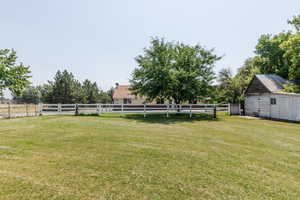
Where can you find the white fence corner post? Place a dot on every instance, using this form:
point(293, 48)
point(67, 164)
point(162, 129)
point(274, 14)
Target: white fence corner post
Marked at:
point(190, 111)
point(144, 110)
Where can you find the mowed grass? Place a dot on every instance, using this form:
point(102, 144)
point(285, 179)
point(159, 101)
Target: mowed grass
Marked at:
point(115, 157)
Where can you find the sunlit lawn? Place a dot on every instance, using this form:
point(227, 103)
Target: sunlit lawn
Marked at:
point(113, 157)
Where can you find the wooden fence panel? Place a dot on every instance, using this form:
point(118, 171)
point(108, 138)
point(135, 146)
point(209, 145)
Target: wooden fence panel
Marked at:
point(19, 110)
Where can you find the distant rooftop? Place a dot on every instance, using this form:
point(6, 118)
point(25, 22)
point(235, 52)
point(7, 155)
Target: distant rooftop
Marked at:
point(123, 92)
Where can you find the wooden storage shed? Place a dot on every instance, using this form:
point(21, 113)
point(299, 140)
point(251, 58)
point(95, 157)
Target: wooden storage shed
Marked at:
point(264, 98)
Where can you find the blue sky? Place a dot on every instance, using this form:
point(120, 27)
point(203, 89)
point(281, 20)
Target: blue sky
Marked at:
point(99, 40)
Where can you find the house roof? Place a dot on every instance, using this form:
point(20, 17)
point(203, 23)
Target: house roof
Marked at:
point(123, 92)
point(272, 82)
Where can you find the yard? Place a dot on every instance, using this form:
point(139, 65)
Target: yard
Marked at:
point(115, 157)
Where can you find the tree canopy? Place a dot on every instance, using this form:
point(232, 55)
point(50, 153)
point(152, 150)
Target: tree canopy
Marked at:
point(12, 75)
point(173, 71)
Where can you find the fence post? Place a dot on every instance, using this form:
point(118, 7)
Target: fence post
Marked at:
point(144, 110)
point(35, 109)
point(167, 110)
point(99, 108)
point(122, 108)
point(215, 112)
point(26, 107)
point(190, 111)
point(76, 109)
point(229, 109)
point(9, 111)
point(41, 106)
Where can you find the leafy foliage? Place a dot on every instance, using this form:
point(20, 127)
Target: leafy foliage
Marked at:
point(292, 88)
point(270, 56)
point(228, 89)
point(231, 89)
point(169, 71)
point(292, 54)
point(12, 75)
point(31, 95)
point(295, 22)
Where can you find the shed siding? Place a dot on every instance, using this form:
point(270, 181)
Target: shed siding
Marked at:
point(287, 107)
point(258, 105)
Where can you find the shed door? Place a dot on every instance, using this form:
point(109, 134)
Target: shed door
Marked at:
point(284, 112)
point(296, 108)
point(263, 106)
point(251, 105)
point(275, 112)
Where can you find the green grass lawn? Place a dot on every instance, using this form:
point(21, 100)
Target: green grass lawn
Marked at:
point(112, 157)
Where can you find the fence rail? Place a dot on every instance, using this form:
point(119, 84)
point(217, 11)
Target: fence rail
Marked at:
point(133, 108)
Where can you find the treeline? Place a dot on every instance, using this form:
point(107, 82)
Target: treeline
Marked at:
point(65, 89)
point(274, 54)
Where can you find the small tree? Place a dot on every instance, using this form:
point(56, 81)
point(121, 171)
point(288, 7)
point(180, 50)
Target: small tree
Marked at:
point(64, 89)
point(30, 94)
point(174, 72)
point(12, 75)
point(91, 92)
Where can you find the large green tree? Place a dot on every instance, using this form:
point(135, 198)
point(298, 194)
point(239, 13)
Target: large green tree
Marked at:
point(291, 49)
point(270, 56)
point(174, 72)
point(12, 75)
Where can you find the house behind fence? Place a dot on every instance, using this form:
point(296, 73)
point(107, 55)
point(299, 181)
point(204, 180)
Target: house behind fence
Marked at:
point(122, 95)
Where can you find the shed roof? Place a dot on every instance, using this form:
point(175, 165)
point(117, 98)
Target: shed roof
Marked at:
point(272, 82)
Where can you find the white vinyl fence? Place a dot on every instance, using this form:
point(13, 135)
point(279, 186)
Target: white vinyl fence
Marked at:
point(26, 110)
point(144, 109)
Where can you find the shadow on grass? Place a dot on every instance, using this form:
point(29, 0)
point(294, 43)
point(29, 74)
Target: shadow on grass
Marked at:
point(162, 118)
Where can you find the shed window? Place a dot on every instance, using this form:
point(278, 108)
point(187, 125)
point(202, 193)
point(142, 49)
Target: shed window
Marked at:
point(273, 101)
